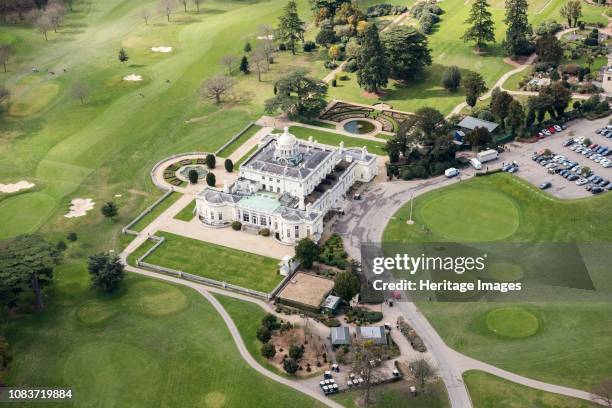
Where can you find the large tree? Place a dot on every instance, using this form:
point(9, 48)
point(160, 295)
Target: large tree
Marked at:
point(479, 137)
point(571, 11)
point(372, 62)
point(363, 353)
point(515, 117)
point(297, 94)
point(106, 271)
point(451, 78)
point(549, 48)
point(306, 252)
point(518, 28)
point(216, 87)
point(482, 28)
point(290, 28)
point(602, 393)
point(407, 52)
point(346, 285)
point(558, 95)
point(500, 102)
point(474, 86)
point(427, 127)
point(27, 261)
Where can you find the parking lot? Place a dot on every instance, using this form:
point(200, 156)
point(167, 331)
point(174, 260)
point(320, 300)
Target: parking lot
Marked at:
point(537, 174)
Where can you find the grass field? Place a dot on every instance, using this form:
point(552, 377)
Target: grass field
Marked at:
point(555, 342)
point(160, 208)
point(227, 152)
point(396, 394)
point(149, 344)
point(488, 391)
point(334, 139)
point(216, 262)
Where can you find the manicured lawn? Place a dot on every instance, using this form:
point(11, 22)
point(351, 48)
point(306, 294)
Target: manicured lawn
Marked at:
point(489, 391)
point(396, 394)
point(247, 317)
point(227, 152)
point(160, 208)
point(334, 139)
point(186, 214)
point(554, 342)
point(149, 344)
point(216, 262)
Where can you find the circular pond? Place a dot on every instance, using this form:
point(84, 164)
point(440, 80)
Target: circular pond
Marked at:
point(201, 170)
point(359, 127)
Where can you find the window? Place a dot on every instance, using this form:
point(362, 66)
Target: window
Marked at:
point(212, 215)
point(264, 222)
point(297, 231)
point(278, 189)
point(264, 186)
point(245, 217)
point(288, 232)
point(220, 216)
point(254, 219)
point(307, 231)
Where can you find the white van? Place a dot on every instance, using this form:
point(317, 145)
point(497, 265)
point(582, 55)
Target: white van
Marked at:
point(452, 172)
point(476, 163)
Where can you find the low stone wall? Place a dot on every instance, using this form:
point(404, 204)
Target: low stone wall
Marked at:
point(233, 139)
point(127, 229)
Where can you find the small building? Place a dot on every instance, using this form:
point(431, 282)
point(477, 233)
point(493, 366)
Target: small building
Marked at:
point(340, 336)
point(377, 334)
point(471, 123)
point(331, 303)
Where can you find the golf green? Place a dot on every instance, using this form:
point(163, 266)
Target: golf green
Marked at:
point(513, 322)
point(470, 215)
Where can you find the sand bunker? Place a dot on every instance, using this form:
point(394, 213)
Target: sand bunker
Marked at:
point(14, 187)
point(79, 207)
point(161, 49)
point(266, 37)
point(132, 77)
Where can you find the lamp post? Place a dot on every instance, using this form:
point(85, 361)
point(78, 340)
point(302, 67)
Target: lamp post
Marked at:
point(410, 221)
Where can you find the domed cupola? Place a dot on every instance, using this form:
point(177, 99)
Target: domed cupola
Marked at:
point(287, 149)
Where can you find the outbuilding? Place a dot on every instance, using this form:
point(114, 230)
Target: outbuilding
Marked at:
point(471, 123)
point(377, 334)
point(340, 336)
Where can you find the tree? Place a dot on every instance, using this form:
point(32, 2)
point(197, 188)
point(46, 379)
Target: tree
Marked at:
point(421, 372)
point(518, 28)
point(80, 91)
point(5, 53)
point(298, 95)
point(426, 127)
point(211, 180)
point(56, 12)
point(268, 350)
point(43, 24)
point(216, 87)
point(211, 161)
point(516, 116)
point(146, 15)
point(290, 28)
point(166, 7)
point(247, 47)
point(346, 285)
point(602, 393)
point(364, 353)
point(266, 36)
point(326, 37)
point(558, 96)
point(407, 52)
point(197, 4)
point(451, 78)
point(372, 63)
point(263, 334)
point(110, 209)
point(27, 262)
point(296, 352)
point(500, 102)
point(270, 321)
point(123, 56)
point(290, 365)
point(479, 137)
point(334, 52)
point(193, 176)
point(306, 252)
point(259, 60)
point(244, 65)
point(549, 48)
point(482, 29)
point(474, 86)
point(229, 165)
point(106, 271)
point(229, 61)
point(571, 11)
point(184, 3)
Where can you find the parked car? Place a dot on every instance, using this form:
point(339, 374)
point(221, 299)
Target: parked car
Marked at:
point(545, 185)
point(596, 190)
point(581, 182)
point(558, 128)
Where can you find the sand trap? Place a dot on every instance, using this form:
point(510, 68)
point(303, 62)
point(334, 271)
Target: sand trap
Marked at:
point(14, 187)
point(161, 49)
point(79, 207)
point(266, 37)
point(132, 77)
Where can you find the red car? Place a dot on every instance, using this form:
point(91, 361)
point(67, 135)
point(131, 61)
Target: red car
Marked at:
point(552, 130)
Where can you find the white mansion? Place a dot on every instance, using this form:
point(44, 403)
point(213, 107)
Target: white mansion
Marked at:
point(287, 186)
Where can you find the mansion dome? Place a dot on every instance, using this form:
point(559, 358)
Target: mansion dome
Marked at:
point(287, 149)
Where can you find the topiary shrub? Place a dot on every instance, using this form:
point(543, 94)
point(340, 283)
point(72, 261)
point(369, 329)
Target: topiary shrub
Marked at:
point(334, 83)
point(211, 180)
point(229, 165)
point(309, 46)
point(236, 225)
point(192, 176)
point(264, 232)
